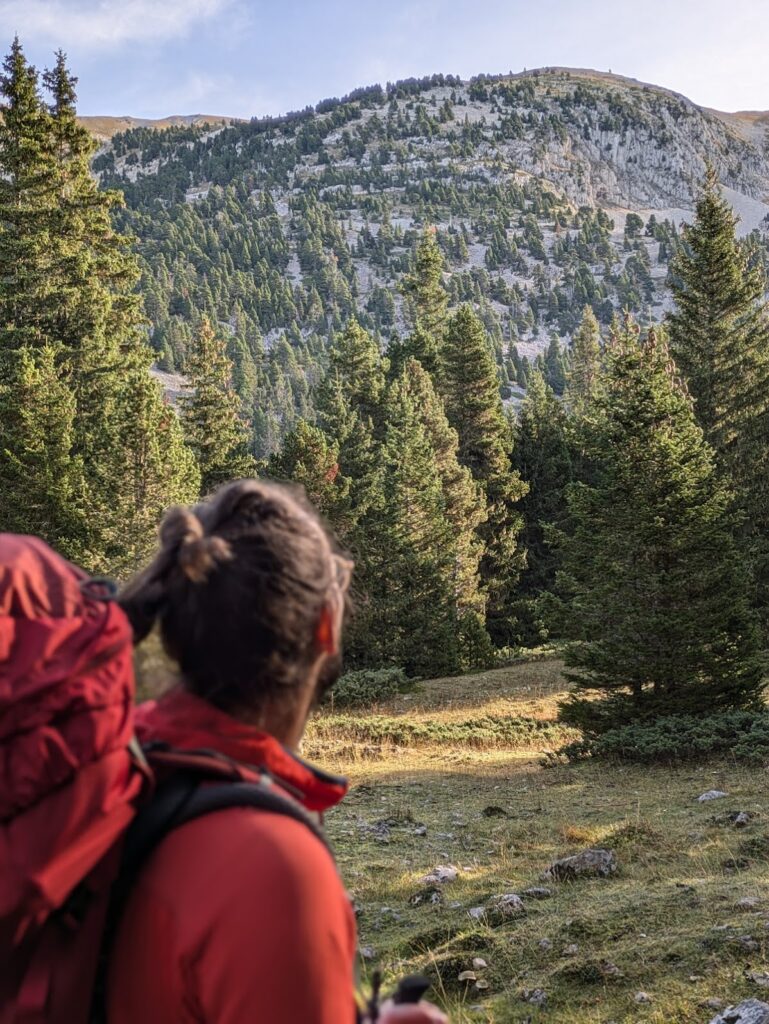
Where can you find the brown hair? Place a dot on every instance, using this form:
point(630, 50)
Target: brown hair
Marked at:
point(237, 589)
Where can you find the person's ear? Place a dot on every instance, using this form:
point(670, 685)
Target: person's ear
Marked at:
point(326, 632)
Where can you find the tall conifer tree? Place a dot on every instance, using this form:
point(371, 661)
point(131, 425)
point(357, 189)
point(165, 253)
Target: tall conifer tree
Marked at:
point(585, 363)
point(411, 614)
point(474, 409)
point(542, 455)
point(211, 413)
point(464, 506)
point(719, 337)
point(67, 285)
point(427, 303)
point(658, 614)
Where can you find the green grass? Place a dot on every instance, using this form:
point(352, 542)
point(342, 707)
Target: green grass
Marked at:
point(461, 757)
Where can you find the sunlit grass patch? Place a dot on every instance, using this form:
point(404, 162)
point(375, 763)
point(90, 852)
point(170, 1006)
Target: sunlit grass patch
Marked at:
point(448, 782)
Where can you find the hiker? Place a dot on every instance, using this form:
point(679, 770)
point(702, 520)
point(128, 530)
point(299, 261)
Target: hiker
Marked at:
point(240, 917)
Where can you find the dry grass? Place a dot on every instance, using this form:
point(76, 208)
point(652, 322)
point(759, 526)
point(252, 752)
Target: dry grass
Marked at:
point(668, 924)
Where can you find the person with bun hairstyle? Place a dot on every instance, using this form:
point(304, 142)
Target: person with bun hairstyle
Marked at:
point(240, 917)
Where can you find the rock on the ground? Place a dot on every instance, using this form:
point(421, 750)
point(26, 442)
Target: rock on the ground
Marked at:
point(594, 862)
point(642, 997)
point(535, 996)
point(440, 875)
point(537, 892)
point(712, 794)
point(751, 1011)
point(748, 903)
point(507, 904)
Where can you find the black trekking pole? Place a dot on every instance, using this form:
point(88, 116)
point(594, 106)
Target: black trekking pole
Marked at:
point(409, 991)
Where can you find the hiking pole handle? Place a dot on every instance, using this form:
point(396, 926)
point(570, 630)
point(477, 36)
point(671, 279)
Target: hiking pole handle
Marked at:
point(410, 989)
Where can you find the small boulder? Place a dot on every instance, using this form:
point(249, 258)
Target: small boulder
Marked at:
point(440, 875)
point(751, 1011)
point(589, 863)
point(712, 794)
point(534, 996)
point(508, 904)
point(748, 903)
point(537, 892)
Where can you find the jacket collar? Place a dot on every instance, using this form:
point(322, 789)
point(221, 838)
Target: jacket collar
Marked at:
point(187, 722)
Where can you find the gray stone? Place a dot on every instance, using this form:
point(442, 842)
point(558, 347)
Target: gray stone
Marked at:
point(537, 892)
point(751, 1011)
point(712, 794)
point(594, 862)
point(507, 904)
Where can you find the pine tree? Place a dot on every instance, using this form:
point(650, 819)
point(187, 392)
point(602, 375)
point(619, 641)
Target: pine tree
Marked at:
point(418, 345)
point(357, 368)
point(149, 465)
point(585, 363)
point(719, 337)
point(720, 340)
point(67, 286)
point(426, 297)
point(474, 410)
point(542, 455)
point(310, 459)
point(211, 413)
point(27, 196)
point(465, 509)
point(658, 615)
point(41, 479)
point(410, 616)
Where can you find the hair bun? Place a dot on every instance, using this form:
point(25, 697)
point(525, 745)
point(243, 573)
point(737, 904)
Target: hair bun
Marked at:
point(197, 554)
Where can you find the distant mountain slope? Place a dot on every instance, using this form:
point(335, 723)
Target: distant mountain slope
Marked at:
point(549, 190)
point(104, 128)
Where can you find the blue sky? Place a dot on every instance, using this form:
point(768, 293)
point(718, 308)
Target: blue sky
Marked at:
point(151, 58)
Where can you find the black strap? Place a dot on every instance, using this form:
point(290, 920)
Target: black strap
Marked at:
point(184, 797)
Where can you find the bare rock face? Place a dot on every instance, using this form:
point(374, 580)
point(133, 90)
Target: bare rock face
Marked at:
point(752, 1011)
point(595, 863)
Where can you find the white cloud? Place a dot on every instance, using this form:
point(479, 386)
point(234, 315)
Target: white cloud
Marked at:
point(99, 24)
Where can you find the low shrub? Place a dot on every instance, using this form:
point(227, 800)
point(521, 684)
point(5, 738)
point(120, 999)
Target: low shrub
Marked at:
point(743, 735)
point(368, 687)
point(490, 731)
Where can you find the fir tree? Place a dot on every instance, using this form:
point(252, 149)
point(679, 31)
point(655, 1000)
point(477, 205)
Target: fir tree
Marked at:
point(67, 285)
point(658, 615)
point(211, 414)
point(542, 455)
point(585, 362)
point(27, 196)
point(41, 479)
point(411, 617)
point(465, 509)
point(310, 459)
point(356, 367)
point(474, 409)
point(426, 297)
point(149, 465)
point(719, 335)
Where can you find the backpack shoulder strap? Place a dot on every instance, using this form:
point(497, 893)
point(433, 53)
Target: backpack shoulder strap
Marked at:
point(185, 796)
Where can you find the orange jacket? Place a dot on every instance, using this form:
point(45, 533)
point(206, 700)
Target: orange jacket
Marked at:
point(240, 917)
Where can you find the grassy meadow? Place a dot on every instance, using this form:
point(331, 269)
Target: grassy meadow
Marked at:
point(451, 774)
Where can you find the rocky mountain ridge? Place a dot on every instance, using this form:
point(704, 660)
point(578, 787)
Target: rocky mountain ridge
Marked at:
point(548, 191)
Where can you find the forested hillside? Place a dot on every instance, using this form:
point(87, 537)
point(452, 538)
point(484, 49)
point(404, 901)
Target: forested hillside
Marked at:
point(548, 190)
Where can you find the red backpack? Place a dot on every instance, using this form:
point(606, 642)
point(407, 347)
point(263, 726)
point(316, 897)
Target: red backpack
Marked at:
point(81, 805)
